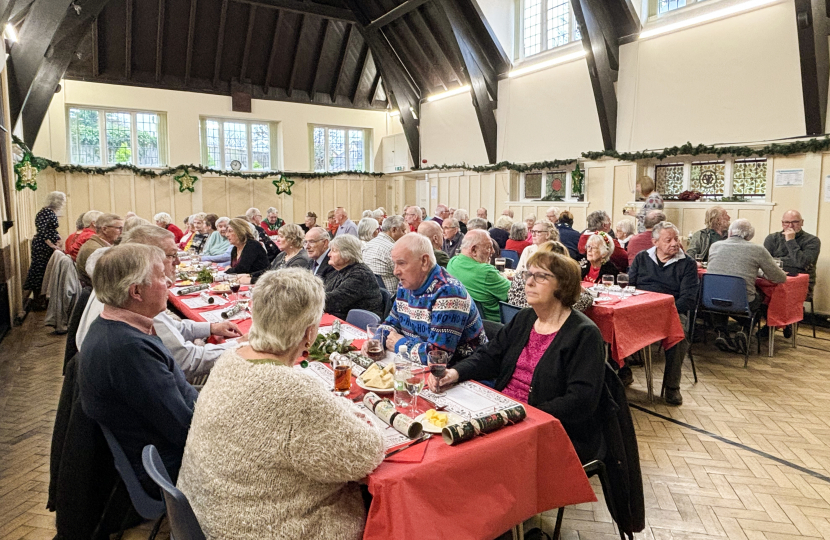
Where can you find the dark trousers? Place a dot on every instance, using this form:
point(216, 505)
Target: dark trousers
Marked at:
point(721, 321)
point(674, 358)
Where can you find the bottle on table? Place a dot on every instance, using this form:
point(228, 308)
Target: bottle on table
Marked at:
point(402, 371)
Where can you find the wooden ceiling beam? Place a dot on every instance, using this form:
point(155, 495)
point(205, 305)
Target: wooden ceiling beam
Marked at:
point(415, 45)
point(322, 46)
point(128, 38)
point(269, 72)
point(812, 26)
point(373, 89)
point(295, 63)
point(159, 39)
point(304, 7)
point(220, 42)
point(395, 14)
point(426, 35)
point(191, 31)
point(339, 73)
point(367, 57)
point(246, 54)
point(96, 66)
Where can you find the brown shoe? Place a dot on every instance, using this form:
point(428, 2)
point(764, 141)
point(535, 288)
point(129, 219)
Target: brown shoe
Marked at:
point(673, 396)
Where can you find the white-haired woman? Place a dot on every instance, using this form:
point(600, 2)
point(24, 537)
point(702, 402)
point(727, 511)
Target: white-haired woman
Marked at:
point(216, 243)
point(247, 255)
point(516, 295)
point(165, 221)
point(530, 221)
point(463, 217)
point(518, 238)
point(597, 262)
point(367, 229)
point(45, 241)
point(272, 222)
point(352, 285)
point(271, 453)
point(292, 254)
point(624, 231)
point(501, 230)
point(541, 232)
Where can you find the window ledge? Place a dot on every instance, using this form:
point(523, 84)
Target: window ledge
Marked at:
point(695, 10)
point(556, 52)
point(706, 204)
point(538, 202)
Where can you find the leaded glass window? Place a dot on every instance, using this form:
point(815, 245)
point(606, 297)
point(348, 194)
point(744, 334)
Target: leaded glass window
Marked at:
point(261, 146)
point(147, 134)
point(214, 147)
point(249, 142)
point(106, 137)
point(546, 185)
point(84, 137)
point(668, 179)
point(556, 183)
point(236, 143)
point(664, 6)
point(749, 178)
point(533, 185)
point(340, 149)
point(708, 177)
point(119, 147)
point(547, 24)
point(532, 27)
point(559, 18)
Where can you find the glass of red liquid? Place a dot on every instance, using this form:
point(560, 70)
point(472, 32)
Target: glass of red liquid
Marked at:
point(342, 366)
point(374, 344)
point(437, 362)
point(233, 283)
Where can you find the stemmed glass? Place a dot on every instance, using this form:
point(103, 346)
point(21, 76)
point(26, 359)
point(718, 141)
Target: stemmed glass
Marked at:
point(622, 281)
point(414, 385)
point(607, 281)
point(233, 283)
point(437, 361)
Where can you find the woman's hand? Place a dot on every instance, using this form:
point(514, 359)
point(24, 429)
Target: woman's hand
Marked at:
point(449, 378)
point(244, 279)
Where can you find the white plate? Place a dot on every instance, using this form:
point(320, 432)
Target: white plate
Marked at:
point(452, 418)
point(373, 389)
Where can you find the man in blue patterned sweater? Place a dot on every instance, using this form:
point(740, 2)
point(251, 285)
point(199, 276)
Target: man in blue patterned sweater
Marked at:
point(432, 309)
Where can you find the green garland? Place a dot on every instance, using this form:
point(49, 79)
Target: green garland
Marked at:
point(502, 165)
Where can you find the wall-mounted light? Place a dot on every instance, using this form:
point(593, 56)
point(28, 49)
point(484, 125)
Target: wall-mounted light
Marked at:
point(10, 33)
point(548, 63)
point(449, 93)
point(706, 17)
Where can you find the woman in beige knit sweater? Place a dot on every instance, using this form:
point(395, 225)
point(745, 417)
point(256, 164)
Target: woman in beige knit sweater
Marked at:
point(271, 453)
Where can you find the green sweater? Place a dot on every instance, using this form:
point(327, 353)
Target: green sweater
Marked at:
point(484, 283)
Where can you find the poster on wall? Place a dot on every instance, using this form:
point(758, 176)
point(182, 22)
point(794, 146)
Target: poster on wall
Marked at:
point(827, 188)
point(434, 193)
point(789, 178)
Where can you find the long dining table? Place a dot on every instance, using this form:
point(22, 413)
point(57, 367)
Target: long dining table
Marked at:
point(476, 490)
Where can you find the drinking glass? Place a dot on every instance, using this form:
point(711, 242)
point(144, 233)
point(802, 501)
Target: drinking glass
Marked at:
point(437, 361)
point(233, 283)
point(500, 263)
point(622, 281)
point(699, 259)
point(607, 281)
point(414, 385)
point(374, 345)
point(402, 373)
point(342, 366)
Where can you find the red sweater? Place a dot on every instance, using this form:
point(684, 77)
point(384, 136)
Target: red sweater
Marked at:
point(177, 232)
point(639, 242)
point(80, 240)
point(619, 257)
point(516, 245)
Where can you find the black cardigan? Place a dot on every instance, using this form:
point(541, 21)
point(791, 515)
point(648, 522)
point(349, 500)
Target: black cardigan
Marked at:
point(567, 382)
point(354, 287)
point(254, 259)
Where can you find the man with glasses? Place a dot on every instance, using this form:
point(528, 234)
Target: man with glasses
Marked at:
point(316, 245)
point(413, 217)
point(452, 237)
point(108, 228)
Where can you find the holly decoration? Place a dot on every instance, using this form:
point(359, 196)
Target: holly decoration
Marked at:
point(26, 173)
point(186, 181)
point(283, 185)
point(325, 344)
point(576, 180)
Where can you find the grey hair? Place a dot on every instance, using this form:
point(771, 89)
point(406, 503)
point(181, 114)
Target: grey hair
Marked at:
point(551, 228)
point(367, 213)
point(321, 232)
point(251, 212)
point(293, 234)
point(742, 228)
point(105, 220)
point(533, 217)
point(163, 217)
point(146, 234)
point(597, 219)
point(120, 268)
point(90, 217)
point(272, 210)
point(605, 253)
point(134, 221)
point(55, 200)
point(653, 218)
point(200, 215)
point(660, 227)
point(378, 214)
point(461, 215)
point(419, 245)
point(366, 228)
point(349, 247)
point(79, 223)
point(392, 222)
point(477, 223)
point(473, 238)
point(504, 222)
point(626, 226)
point(518, 231)
point(285, 303)
point(451, 222)
point(223, 219)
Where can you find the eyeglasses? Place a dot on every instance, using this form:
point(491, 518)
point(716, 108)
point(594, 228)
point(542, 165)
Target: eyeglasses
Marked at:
point(538, 277)
point(449, 228)
point(307, 242)
point(114, 227)
point(534, 231)
point(172, 257)
point(796, 222)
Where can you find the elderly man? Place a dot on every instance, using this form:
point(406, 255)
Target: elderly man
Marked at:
point(127, 380)
point(377, 253)
point(600, 221)
point(552, 214)
point(310, 221)
point(481, 279)
point(223, 258)
point(108, 228)
point(432, 310)
point(432, 230)
point(666, 269)
point(462, 217)
point(797, 248)
point(478, 224)
point(254, 217)
point(737, 256)
point(178, 336)
point(482, 213)
point(452, 237)
point(344, 224)
point(642, 241)
point(412, 215)
point(86, 233)
point(442, 212)
point(272, 222)
point(717, 222)
point(316, 245)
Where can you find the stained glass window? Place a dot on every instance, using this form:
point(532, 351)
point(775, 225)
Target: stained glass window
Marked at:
point(319, 149)
point(532, 27)
point(119, 147)
point(556, 183)
point(214, 150)
point(147, 133)
point(559, 18)
point(533, 185)
point(84, 137)
point(708, 177)
point(668, 179)
point(261, 146)
point(340, 149)
point(749, 178)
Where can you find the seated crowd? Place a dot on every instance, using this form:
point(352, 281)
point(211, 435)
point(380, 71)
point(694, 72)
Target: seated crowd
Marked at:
point(288, 466)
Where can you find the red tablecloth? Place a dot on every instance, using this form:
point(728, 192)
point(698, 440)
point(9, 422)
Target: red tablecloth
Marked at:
point(636, 322)
point(785, 301)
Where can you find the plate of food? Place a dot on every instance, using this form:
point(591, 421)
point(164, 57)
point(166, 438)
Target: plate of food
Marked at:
point(377, 379)
point(433, 421)
point(184, 283)
point(222, 287)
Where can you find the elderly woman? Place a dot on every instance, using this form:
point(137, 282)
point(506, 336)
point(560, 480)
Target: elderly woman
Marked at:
point(518, 238)
point(271, 453)
point(247, 256)
point(542, 232)
point(463, 217)
point(516, 295)
point(272, 222)
point(131, 223)
point(501, 231)
point(624, 231)
point(224, 258)
point(597, 261)
point(189, 233)
point(367, 229)
point(292, 254)
point(352, 285)
point(550, 356)
point(45, 241)
point(530, 220)
point(164, 221)
point(216, 243)
point(331, 224)
point(203, 230)
point(653, 201)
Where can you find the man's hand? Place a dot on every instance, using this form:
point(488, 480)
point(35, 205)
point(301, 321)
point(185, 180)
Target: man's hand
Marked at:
point(226, 329)
point(392, 339)
point(789, 234)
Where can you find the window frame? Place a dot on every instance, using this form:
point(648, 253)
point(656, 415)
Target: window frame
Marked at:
point(728, 183)
point(163, 151)
point(368, 159)
point(654, 8)
point(569, 196)
point(520, 27)
point(273, 138)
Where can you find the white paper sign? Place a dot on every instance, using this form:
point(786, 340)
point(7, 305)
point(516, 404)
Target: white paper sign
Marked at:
point(827, 188)
point(433, 192)
point(215, 316)
point(789, 177)
point(198, 302)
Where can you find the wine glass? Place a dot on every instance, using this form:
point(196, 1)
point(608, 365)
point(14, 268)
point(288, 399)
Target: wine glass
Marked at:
point(437, 361)
point(233, 283)
point(607, 281)
point(622, 281)
point(414, 385)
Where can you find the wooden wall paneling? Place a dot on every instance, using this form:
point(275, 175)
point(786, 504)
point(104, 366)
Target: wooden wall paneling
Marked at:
point(758, 218)
point(486, 193)
point(299, 196)
point(182, 204)
point(100, 193)
point(214, 195)
point(239, 197)
point(122, 199)
point(314, 200)
point(444, 191)
point(162, 197)
point(692, 220)
point(502, 192)
point(143, 203)
point(78, 190)
point(410, 193)
point(623, 175)
point(341, 196)
point(329, 196)
point(264, 194)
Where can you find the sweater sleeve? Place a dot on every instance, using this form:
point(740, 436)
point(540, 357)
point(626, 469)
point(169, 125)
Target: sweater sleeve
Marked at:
point(696, 244)
point(251, 260)
point(497, 283)
point(689, 283)
point(342, 294)
point(803, 256)
point(485, 363)
point(633, 270)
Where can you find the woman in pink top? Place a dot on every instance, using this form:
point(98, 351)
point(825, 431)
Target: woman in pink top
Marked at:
point(549, 356)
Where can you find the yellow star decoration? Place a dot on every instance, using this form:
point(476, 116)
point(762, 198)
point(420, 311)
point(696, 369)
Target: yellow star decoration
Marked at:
point(283, 185)
point(26, 174)
point(186, 182)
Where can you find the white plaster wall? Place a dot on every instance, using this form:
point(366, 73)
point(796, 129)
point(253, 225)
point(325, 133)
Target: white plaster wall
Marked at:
point(501, 16)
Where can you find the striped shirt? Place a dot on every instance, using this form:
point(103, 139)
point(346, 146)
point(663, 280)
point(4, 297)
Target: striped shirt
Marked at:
point(377, 255)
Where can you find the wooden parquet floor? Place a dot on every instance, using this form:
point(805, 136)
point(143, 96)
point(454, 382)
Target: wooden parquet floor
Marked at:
point(747, 455)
